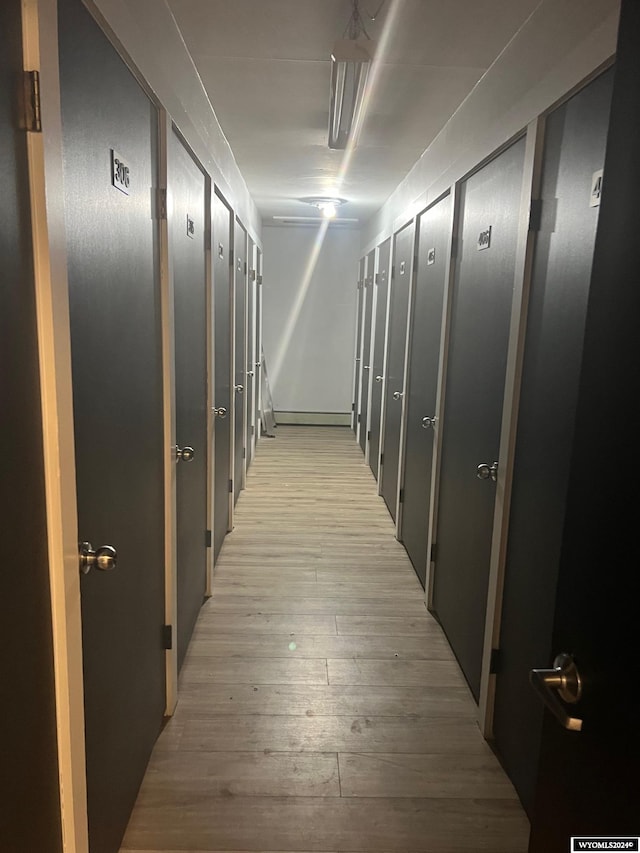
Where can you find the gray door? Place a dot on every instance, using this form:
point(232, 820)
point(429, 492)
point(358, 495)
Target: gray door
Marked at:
point(369, 293)
point(222, 225)
point(424, 358)
point(381, 289)
point(30, 811)
point(575, 141)
point(490, 204)
point(251, 354)
point(110, 132)
point(257, 365)
point(240, 346)
point(358, 371)
point(396, 351)
point(187, 187)
point(588, 780)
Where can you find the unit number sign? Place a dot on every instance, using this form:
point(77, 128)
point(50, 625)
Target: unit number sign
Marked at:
point(120, 173)
point(484, 239)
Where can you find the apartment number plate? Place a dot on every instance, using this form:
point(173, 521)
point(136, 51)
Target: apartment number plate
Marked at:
point(596, 188)
point(484, 239)
point(431, 256)
point(191, 227)
point(120, 173)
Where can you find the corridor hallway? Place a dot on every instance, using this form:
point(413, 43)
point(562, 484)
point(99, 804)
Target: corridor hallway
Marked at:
point(321, 708)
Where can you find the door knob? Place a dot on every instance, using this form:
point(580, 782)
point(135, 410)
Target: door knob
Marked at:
point(365, 367)
point(103, 558)
point(379, 378)
point(398, 395)
point(487, 472)
point(219, 412)
point(250, 373)
point(185, 454)
point(239, 389)
point(429, 423)
point(562, 681)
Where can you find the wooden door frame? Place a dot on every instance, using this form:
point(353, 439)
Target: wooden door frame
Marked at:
point(374, 307)
point(405, 379)
point(441, 383)
point(45, 159)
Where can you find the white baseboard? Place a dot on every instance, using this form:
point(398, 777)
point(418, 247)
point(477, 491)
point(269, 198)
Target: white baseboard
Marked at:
point(314, 418)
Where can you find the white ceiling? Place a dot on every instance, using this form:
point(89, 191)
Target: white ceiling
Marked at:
point(265, 66)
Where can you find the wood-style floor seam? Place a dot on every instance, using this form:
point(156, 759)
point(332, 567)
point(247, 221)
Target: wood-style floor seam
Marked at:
point(321, 709)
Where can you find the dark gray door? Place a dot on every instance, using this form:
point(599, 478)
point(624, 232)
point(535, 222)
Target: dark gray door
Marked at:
point(257, 366)
point(240, 345)
point(251, 353)
point(490, 204)
point(358, 370)
point(369, 293)
point(110, 131)
point(588, 780)
point(398, 317)
point(222, 225)
point(575, 142)
point(424, 358)
point(30, 811)
point(381, 289)
point(187, 187)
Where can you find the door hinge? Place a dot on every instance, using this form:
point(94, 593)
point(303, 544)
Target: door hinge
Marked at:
point(167, 637)
point(359, 418)
point(535, 214)
point(244, 452)
point(377, 278)
point(369, 435)
point(353, 407)
point(382, 459)
point(231, 254)
point(259, 279)
point(230, 485)
point(252, 275)
point(434, 552)
point(245, 267)
point(32, 107)
point(161, 203)
point(455, 246)
point(494, 663)
point(208, 539)
point(401, 498)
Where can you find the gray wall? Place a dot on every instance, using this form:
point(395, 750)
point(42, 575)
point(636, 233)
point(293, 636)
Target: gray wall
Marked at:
point(309, 317)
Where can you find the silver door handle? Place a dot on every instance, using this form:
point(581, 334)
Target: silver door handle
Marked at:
point(365, 367)
point(562, 681)
point(398, 395)
point(379, 378)
point(487, 472)
point(219, 412)
point(104, 558)
point(185, 454)
point(250, 373)
point(429, 423)
point(239, 389)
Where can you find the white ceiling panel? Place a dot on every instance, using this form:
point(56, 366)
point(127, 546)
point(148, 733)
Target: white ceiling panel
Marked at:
point(265, 66)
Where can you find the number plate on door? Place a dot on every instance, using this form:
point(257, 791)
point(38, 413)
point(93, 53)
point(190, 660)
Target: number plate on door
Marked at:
point(120, 173)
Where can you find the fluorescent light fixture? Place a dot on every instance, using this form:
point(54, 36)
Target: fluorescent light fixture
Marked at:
point(350, 65)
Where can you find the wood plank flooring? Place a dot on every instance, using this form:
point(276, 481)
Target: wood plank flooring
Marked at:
point(321, 709)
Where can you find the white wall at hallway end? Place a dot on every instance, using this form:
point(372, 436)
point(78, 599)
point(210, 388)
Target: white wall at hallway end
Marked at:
point(309, 320)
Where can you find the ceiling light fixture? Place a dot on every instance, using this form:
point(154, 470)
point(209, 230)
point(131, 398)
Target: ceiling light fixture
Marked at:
point(327, 205)
point(350, 65)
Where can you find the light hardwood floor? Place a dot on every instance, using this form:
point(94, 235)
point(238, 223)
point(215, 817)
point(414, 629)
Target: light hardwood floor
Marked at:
point(321, 708)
